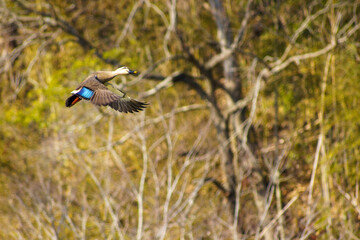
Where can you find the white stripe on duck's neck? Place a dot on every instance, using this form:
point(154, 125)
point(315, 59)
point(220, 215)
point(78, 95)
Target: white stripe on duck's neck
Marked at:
point(121, 71)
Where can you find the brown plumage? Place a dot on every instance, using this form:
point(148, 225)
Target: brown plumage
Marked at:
point(93, 89)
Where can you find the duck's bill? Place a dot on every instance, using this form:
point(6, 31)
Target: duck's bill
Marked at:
point(133, 72)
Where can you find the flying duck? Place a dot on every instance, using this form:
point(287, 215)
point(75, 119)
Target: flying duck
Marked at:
point(94, 90)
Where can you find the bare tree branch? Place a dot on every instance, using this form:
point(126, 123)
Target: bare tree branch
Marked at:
point(226, 52)
point(171, 27)
point(270, 225)
point(133, 11)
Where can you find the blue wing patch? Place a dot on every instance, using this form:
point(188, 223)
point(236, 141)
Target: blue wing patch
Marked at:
point(85, 93)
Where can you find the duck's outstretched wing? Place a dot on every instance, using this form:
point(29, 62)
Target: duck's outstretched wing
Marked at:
point(105, 97)
point(128, 105)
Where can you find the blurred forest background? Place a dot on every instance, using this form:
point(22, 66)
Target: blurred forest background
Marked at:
point(252, 130)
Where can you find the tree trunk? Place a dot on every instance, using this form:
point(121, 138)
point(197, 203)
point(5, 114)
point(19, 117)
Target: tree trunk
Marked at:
point(234, 155)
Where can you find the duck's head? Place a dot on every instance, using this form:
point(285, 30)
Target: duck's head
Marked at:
point(125, 71)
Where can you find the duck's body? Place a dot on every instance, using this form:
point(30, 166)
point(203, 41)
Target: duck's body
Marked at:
point(93, 89)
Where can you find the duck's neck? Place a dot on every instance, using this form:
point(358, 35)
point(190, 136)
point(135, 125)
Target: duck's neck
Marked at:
point(105, 76)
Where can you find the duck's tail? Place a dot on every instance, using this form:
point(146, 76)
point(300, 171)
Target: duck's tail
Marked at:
point(72, 100)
